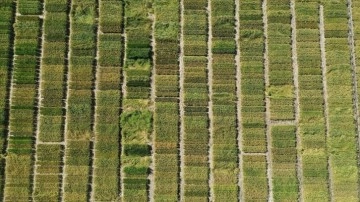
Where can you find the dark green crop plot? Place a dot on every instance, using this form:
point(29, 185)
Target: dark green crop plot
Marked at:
point(136, 150)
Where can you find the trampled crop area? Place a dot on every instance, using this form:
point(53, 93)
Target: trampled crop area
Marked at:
point(179, 100)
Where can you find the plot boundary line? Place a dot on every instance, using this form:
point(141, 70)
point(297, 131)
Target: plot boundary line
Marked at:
point(122, 91)
point(9, 89)
point(181, 186)
point(299, 171)
point(94, 93)
point(267, 104)
point(35, 123)
point(38, 100)
point(65, 98)
point(210, 74)
point(238, 103)
point(325, 95)
point(68, 78)
point(90, 188)
point(151, 176)
point(351, 40)
point(124, 95)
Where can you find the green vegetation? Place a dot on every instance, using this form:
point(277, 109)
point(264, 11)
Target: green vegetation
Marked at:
point(135, 121)
point(280, 62)
point(52, 86)
point(196, 133)
point(107, 127)
point(138, 49)
point(252, 77)
point(110, 47)
point(111, 20)
point(19, 160)
point(79, 100)
point(82, 118)
point(77, 167)
point(29, 7)
point(312, 124)
point(166, 115)
point(224, 98)
point(47, 178)
point(342, 141)
point(283, 149)
point(47, 182)
point(6, 20)
point(136, 126)
point(255, 178)
point(136, 117)
point(18, 171)
point(356, 18)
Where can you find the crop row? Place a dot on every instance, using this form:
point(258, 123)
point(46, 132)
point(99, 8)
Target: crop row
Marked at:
point(79, 100)
point(356, 29)
point(6, 18)
point(252, 77)
point(136, 117)
point(312, 129)
point(252, 99)
point(280, 64)
point(107, 129)
point(19, 161)
point(138, 50)
point(52, 74)
point(225, 150)
point(166, 118)
point(48, 162)
point(196, 134)
point(342, 142)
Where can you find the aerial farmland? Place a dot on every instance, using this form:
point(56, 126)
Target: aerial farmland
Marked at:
point(179, 100)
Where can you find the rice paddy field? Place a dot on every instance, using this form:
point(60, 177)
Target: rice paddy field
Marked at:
point(179, 100)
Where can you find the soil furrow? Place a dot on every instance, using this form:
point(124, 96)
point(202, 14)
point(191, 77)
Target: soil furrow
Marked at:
point(325, 92)
point(181, 104)
point(238, 95)
point(151, 176)
point(297, 99)
point(210, 103)
point(267, 104)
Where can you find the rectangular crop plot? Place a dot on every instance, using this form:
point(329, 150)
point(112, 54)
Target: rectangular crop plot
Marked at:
point(283, 152)
point(255, 180)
